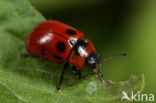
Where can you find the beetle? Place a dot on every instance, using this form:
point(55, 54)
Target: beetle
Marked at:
point(60, 43)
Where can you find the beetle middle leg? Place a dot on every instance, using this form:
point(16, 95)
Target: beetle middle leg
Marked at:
point(77, 72)
point(79, 75)
point(74, 71)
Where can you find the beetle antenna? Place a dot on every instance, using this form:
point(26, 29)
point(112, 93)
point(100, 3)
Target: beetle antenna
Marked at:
point(105, 59)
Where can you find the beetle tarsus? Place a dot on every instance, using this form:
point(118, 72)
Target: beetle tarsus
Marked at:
point(58, 90)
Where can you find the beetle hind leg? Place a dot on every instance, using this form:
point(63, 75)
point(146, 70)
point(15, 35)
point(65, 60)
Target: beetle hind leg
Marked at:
point(61, 77)
point(25, 55)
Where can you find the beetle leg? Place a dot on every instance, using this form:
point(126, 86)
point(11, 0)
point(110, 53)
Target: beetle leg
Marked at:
point(74, 71)
point(79, 75)
point(26, 55)
point(61, 77)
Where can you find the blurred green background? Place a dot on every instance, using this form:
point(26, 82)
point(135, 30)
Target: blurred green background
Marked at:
point(114, 26)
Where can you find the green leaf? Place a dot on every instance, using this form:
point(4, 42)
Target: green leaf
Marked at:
point(32, 80)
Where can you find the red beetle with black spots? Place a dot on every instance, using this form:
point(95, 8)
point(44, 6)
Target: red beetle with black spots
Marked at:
point(60, 43)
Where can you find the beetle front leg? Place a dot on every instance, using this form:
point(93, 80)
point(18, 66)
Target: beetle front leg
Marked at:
point(61, 77)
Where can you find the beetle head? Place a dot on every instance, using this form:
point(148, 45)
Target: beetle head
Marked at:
point(93, 59)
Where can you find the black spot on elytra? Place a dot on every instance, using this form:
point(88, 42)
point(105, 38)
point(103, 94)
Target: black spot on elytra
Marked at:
point(70, 32)
point(43, 50)
point(57, 57)
point(61, 46)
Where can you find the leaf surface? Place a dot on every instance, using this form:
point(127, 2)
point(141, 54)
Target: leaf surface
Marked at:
point(32, 80)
